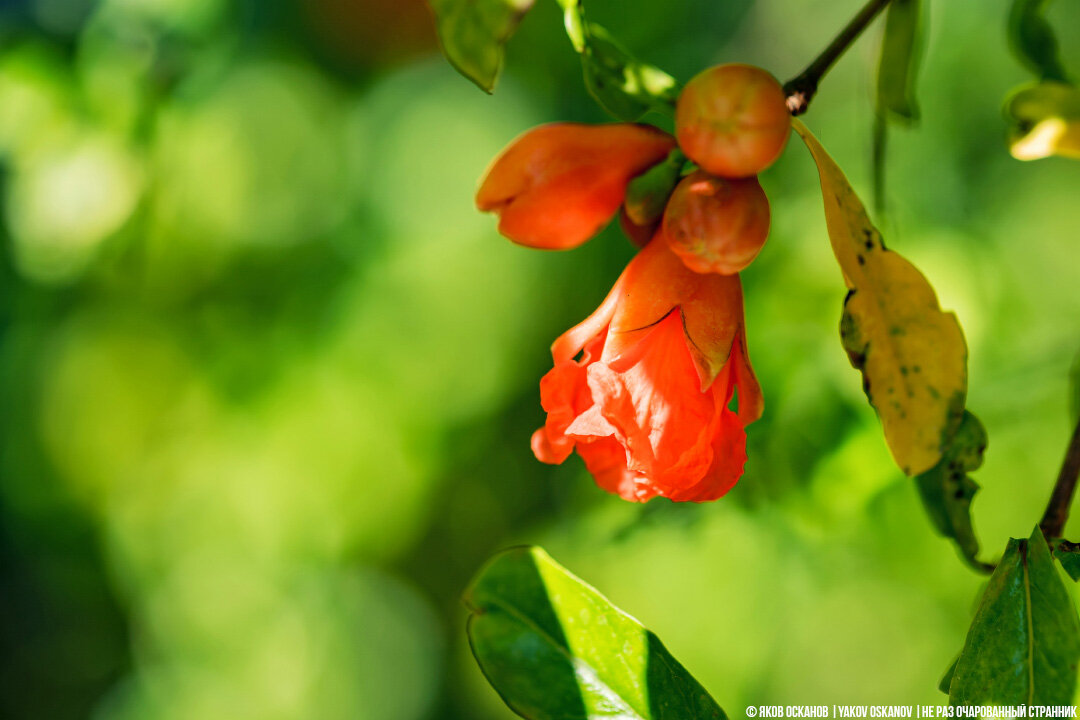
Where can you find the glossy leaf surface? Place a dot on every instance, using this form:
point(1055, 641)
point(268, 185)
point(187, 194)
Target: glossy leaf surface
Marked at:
point(555, 648)
point(623, 85)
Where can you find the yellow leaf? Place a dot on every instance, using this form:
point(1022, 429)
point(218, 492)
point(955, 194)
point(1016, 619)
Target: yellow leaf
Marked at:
point(1044, 120)
point(912, 355)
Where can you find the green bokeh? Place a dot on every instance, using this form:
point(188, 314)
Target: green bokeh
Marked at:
point(269, 379)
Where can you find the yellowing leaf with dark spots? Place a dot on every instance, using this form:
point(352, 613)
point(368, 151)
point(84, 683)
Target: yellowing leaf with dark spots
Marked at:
point(912, 355)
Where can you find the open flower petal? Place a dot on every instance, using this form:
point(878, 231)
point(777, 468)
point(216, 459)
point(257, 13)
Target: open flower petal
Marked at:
point(713, 318)
point(751, 401)
point(647, 403)
point(565, 395)
point(650, 395)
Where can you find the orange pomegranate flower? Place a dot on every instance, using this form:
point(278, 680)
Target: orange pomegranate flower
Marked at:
point(558, 185)
point(641, 388)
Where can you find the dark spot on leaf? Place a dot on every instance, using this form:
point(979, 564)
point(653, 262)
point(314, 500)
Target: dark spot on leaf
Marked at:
point(861, 259)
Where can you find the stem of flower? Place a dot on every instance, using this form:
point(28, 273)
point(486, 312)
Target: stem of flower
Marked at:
point(800, 89)
point(1057, 510)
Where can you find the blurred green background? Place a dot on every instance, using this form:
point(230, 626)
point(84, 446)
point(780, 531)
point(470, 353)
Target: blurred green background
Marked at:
point(268, 379)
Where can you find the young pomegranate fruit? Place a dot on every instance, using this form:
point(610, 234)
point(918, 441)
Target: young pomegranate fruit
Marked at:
point(732, 120)
point(716, 225)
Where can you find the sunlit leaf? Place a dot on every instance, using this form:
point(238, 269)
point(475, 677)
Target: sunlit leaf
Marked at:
point(555, 649)
point(1024, 643)
point(473, 34)
point(912, 355)
point(1044, 120)
point(623, 85)
point(574, 20)
point(1032, 39)
point(946, 490)
point(899, 60)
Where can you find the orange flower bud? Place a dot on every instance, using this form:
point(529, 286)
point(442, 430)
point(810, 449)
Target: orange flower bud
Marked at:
point(732, 120)
point(558, 185)
point(717, 225)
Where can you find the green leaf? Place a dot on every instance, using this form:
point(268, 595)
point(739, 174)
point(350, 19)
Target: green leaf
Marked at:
point(946, 679)
point(473, 34)
point(623, 85)
point(897, 70)
point(556, 649)
point(648, 193)
point(1068, 554)
point(1032, 39)
point(574, 20)
point(1023, 646)
point(946, 490)
point(898, 65)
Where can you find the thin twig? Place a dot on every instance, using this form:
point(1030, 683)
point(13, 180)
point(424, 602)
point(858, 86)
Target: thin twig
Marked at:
point(800, 89)
point(1057, 510)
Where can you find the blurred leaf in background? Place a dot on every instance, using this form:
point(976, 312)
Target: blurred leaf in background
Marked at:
point(269, 379)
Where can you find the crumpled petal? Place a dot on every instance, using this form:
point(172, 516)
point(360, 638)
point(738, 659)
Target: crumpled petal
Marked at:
point(728, 461)
point(606, 462)
point(559, 184)
point(650, 395)
point(565, 395)
point(647, 403)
